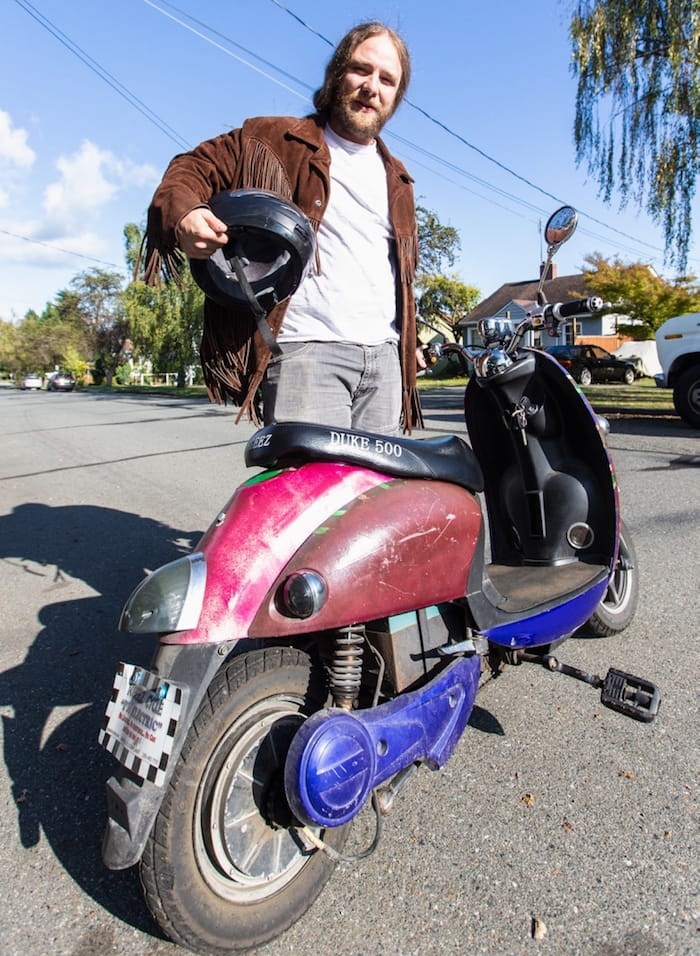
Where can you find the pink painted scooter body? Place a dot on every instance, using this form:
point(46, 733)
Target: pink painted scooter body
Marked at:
point(401, 546)
point(364, 532)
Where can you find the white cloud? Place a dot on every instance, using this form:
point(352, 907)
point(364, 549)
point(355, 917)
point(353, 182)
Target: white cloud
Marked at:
point(56, 225)
point(82, 188)
point(14, 148)
point(90, 179)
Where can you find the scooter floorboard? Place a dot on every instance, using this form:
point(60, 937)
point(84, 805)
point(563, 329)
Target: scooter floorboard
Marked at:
point(524, 587)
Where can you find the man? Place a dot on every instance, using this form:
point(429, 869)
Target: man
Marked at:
point(348, 335)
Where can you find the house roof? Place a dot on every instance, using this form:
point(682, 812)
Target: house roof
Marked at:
point(525, 293)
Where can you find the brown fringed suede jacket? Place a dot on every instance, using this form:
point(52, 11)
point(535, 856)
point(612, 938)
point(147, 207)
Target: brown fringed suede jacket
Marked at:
point(290, 157)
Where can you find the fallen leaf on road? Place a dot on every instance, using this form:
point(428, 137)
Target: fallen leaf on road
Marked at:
point(538, 928)
point(528, 799)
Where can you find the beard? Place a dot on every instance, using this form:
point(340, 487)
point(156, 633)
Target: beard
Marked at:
point(355, 124)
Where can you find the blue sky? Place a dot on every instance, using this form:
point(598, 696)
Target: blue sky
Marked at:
point(93, 107)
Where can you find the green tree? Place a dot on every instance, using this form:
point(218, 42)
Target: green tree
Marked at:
point(438, 245)
point(66, 332)
point(42, 340)
point(73, 361)
point(637, 122)
point(9, 347)
point(165, 322)
point(445, 301)
point(637, 291)
point(100, 303)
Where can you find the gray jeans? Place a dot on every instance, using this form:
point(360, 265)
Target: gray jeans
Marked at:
point(335, 383)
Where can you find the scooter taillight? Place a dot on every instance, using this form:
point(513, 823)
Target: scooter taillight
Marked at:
point(302, 594)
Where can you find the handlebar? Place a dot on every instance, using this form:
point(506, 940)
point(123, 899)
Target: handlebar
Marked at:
point(503, 341)
point(551, 316)
point(566, 310)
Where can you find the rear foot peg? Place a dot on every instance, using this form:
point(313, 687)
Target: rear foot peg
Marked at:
point(632, 696)
point(629, 695)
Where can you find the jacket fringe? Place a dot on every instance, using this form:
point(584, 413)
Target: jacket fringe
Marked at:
point(263, 168)
point(228, 358)
point(155, 266)
point(407, 256)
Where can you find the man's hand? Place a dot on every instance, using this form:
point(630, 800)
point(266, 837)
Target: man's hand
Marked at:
point(420, 358)
point(200, 233)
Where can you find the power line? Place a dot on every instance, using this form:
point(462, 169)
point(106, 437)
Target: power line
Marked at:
point(169, 131)
point(223, 49)
point(110, 80)
point(232, 42)
point(447, 129)
point(531, 207)
point(410, 103)
point(68, 252)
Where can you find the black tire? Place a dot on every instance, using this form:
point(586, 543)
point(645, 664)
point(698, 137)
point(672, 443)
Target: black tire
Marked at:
point(629, 376)
point(585, 377)
point(224, 869)
point(686, 396)
point(619, 604)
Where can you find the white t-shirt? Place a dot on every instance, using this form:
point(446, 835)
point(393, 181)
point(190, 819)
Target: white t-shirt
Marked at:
point(352, 298)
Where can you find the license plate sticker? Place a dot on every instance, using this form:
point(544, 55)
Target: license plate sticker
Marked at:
point(141, 720)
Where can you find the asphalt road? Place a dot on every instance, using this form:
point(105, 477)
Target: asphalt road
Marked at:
point(552, 809)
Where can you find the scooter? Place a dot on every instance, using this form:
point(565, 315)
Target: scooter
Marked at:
point(330, 632)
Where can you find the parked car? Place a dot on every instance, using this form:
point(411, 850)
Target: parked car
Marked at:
point(61, 382)
point(644, 355)
point(31, 381)
point(591, 363)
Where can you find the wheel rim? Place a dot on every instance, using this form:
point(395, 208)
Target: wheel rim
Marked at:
point(242, 853)
point(619, 589)
point(585, 377)
point(694, 397)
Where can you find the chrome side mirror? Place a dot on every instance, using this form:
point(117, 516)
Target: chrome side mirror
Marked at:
point(561, 226)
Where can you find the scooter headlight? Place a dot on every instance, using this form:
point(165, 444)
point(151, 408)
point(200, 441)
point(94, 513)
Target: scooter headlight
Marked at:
point(169, 599)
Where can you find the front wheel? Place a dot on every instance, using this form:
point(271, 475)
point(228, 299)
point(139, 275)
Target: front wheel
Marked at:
point(629, 376)
point(686, 396)
point(619, 604)
point(225, 867)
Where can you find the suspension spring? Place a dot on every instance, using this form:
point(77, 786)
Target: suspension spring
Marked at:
point(345, 669)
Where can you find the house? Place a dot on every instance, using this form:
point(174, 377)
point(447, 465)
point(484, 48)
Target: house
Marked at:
point(514, 299)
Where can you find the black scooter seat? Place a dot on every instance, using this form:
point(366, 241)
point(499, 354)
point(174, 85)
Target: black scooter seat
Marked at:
point(289, 444)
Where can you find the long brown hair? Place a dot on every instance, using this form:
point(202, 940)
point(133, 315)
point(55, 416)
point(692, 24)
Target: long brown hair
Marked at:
point(326, 94)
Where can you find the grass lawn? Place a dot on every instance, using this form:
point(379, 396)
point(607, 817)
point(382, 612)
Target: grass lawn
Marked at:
point(643, 398)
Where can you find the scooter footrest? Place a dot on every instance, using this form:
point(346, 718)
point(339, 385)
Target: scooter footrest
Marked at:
point(632, 696)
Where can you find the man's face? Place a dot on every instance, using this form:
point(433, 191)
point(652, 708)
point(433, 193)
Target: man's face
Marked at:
point(367, 92)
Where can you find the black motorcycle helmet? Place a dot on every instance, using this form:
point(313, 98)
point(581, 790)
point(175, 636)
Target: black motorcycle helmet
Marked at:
point(271, 240)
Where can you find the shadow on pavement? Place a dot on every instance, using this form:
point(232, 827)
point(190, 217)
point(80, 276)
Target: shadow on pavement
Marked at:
point(57, 769)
